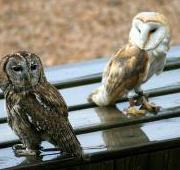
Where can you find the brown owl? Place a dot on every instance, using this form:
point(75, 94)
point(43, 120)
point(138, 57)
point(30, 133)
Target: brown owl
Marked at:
point(36, 110)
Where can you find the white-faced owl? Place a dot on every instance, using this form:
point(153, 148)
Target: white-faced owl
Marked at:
point(36, 110)
point(136, 62)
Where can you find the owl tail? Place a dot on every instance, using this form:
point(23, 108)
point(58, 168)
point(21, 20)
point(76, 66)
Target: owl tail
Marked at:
point(64, 137)
point(100, 97)
point(75, 146)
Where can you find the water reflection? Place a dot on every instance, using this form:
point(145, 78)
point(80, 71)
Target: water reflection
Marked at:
point(84, 118)
point(109, 114)
point(119, 137)
point(92, 142)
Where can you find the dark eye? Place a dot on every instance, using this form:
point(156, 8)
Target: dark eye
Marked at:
point(138, 29)
point(33, 66)
point(153, 30)
point(17, 68)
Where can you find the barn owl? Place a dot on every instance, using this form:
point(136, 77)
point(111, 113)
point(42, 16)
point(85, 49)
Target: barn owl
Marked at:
point(36, 110)
point(136, 63)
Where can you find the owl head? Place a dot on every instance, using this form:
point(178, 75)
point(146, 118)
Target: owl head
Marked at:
point(149, 30)
point(22, 70)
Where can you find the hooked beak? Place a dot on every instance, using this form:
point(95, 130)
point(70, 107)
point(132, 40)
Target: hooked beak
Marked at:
point(144, 37)
point(27, 78)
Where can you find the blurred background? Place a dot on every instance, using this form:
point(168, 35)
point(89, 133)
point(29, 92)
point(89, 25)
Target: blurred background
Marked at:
point(67, 31)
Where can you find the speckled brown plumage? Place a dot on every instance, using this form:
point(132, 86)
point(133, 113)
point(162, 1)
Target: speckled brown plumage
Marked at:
point(36, 110)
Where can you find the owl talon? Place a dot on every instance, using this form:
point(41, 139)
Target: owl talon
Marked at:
point(18, 147)
point(25, 152)
point(151, 107)
point(134, 111)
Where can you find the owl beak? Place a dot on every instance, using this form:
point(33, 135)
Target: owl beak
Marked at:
point(27, 78)
point(143, 41)
point(144, 36)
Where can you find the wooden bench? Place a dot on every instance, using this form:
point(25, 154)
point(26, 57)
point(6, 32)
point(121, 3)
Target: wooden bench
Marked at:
point(110, 139)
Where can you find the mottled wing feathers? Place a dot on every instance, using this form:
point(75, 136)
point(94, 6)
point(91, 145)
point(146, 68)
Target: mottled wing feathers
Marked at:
point(125, 70)
point(51, 97)
point(45, 115)
point(64, 137)
point(48, 119)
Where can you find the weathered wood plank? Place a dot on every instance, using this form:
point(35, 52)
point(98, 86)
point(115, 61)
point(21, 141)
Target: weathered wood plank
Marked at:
point(168, 78)
point(138, 162)
point(165, 160)
point(173, 162)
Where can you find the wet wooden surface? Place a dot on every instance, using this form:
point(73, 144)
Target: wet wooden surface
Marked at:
point(98, 118)
point(110, 139)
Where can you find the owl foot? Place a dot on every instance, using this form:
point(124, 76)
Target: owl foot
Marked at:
point(135, 101)
point(151, 107)
point(25, 152)
point(133, 111)
point(18, 147)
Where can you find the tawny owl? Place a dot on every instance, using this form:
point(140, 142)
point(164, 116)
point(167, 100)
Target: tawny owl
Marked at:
point(137, 62)
point(36, 110)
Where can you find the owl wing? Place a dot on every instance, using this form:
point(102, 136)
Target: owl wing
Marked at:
point(125, 70)
point(48, 115)
point(48, 95)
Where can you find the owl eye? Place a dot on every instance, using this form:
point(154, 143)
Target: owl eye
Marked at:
point(153, 30)
point(34, 66)
point(138, 29)
point(17, 68)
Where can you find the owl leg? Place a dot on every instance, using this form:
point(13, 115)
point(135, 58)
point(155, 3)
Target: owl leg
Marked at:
point(145, 104)
point(28, 148)
point(25, 152)
point(132, 109)
point(18, 146)
point(151, 107)
point(30, 140)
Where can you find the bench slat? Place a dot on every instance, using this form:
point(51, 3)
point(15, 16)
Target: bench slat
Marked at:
point(167, 78)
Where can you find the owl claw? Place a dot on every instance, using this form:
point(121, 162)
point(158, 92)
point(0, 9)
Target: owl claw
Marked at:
point(18, 147)
point(151, 107)
point(25, 152)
